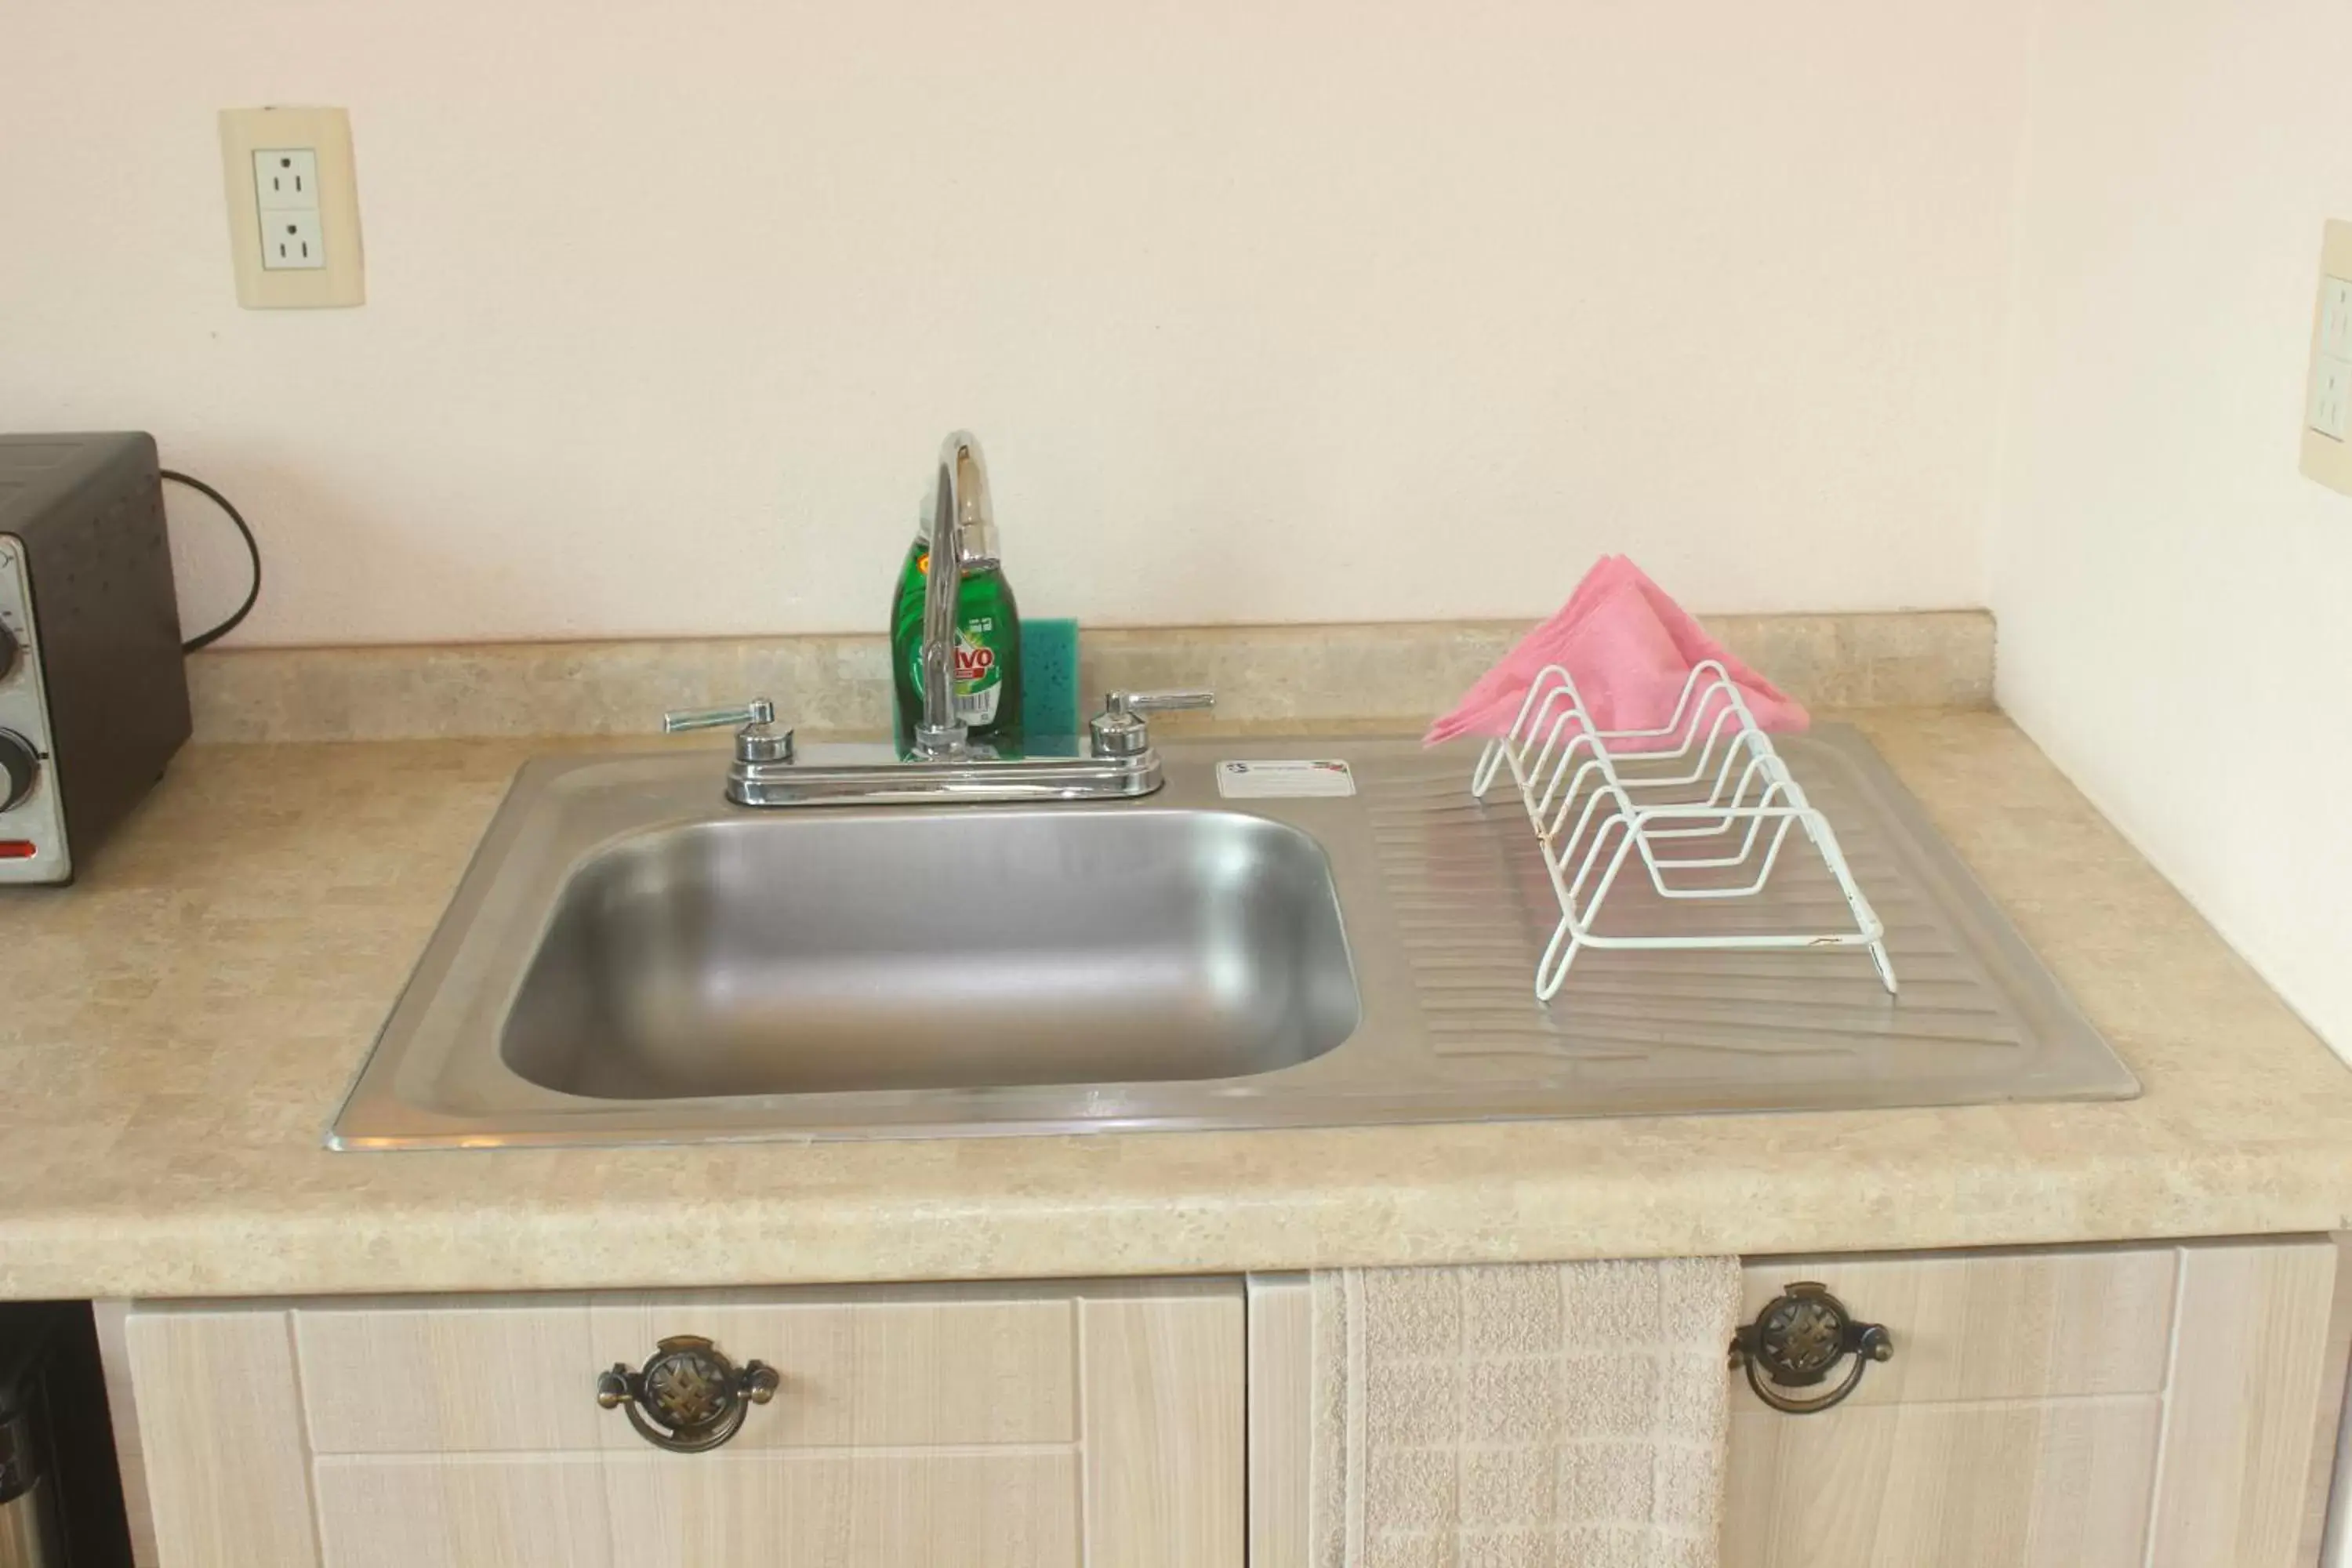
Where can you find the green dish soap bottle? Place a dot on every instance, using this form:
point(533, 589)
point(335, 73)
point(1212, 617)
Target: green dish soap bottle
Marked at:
point(988, 617)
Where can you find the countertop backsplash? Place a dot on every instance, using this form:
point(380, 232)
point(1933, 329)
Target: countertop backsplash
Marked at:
point(1390, 675)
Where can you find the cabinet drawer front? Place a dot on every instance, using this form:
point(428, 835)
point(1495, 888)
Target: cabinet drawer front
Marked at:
point(1013, 1509)
point(854, 1373)
point(2026, 1325)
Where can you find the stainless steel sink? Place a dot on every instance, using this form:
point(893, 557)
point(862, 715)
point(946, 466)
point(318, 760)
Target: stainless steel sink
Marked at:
point(632, 959)
point(800, 952)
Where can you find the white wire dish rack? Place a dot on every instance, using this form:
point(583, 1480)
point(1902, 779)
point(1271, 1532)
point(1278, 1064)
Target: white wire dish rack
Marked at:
point(1704, 803)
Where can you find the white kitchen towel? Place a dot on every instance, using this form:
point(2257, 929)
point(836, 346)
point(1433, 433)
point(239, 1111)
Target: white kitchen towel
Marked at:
point(1525, 1416)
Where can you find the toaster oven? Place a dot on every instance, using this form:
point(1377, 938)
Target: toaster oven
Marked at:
point(93, 684)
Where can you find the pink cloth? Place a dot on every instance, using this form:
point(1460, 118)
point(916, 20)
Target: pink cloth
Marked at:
point(1629, 649)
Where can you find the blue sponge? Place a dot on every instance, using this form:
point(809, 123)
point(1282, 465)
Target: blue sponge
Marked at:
point(1049, 679)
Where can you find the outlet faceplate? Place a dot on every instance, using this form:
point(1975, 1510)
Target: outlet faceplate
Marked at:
point(2327, 394)
point(293, 208)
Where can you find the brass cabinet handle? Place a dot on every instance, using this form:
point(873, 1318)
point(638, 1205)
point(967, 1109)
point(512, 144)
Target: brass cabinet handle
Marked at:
point(1797, 1338)
point(689, 1399)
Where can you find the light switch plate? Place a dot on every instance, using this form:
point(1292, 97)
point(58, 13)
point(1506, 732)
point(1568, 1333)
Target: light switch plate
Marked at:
point(318, 142)
point(2328, 393)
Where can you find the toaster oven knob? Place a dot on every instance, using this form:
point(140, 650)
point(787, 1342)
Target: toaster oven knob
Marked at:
point(21, 765)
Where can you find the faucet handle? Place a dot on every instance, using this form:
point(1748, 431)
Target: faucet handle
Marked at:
point(1119, 729)
point(1158, 702)
point(759, 711)
point(756, 739)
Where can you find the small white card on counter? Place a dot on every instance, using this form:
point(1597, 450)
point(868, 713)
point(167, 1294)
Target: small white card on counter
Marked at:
point(1284, 780)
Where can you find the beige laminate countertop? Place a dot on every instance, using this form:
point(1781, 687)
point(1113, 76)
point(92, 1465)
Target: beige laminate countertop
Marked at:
point(179, 1028)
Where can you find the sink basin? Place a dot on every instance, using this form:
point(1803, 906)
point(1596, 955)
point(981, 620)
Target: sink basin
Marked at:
point(632, 959)
point(799, 952)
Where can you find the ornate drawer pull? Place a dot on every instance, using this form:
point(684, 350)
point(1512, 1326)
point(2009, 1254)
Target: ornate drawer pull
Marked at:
point(1798, 1337)
point(695, 1397)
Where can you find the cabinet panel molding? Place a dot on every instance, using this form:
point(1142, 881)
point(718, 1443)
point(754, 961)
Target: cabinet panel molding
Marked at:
point(112, 1318)
point(2246, 1373)
point(1013, 1509)
point(978, 1510)
point(873, 1372)
point(1281, 1419)
point(1165, 1390)
point(2032, 1484)
point(221, 1432)
point(449, 1378)
point(425, 1511)
point(519, 1377)
point(1999, 1325)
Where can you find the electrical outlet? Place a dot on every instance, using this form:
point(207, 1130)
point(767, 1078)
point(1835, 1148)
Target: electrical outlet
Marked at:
point(2336, 317)
point(291, 241)
point(293, 208)
point(2330, 413)
point(285, 178)
point(286, 190)
point(2327, 394)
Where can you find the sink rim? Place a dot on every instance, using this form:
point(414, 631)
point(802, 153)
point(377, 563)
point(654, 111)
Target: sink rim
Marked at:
point(421, 1089)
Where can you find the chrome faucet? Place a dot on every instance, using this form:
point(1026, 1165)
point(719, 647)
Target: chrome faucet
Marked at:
point(945, 767)
point(963, 533)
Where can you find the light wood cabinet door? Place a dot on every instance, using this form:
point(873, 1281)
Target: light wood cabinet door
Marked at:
point(2093, 1409)
point(1054, 1426)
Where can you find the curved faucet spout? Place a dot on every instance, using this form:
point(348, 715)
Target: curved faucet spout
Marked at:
point(962, 533)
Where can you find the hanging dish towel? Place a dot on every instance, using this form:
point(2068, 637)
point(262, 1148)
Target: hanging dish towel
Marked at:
point(1536, 1415)
point(1629, 647)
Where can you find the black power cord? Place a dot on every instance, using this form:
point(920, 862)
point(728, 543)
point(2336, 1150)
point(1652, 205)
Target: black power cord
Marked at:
point(205, 639)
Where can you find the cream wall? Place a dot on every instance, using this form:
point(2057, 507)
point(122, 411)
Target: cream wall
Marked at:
point(1268, 311)
point(2175, 600)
